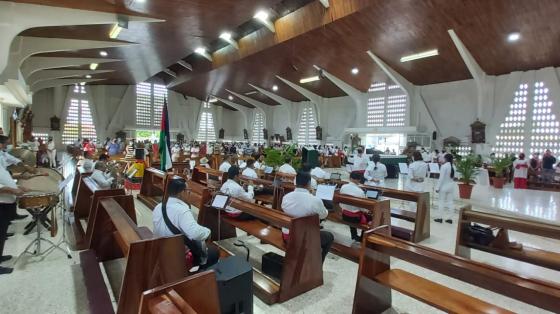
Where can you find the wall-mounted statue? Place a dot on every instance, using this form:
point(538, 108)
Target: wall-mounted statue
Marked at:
point(319, 133)
point(27, 124)
point(288, 134)
point(245, 134)
point(180, 138)
point(478, 132)
point(55, 123)
point(221, 134)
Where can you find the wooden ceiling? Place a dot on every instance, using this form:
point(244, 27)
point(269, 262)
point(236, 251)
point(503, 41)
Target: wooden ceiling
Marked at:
point(389, 28)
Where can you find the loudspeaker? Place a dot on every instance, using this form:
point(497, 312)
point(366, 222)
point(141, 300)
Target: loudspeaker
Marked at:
point(272, 264)
point(235, 285)
point(310, 157)
point(434, 135)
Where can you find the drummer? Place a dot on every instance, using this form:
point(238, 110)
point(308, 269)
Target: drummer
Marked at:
point(7, 160)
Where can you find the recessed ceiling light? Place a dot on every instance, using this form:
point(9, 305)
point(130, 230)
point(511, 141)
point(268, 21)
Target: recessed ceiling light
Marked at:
point(93, 66)
point(103, 53)
point(513, 37)
point(230, 97)
point(140, 1)
point(261, 15)
point(88, 76)
point(309, 79)
point(200, 50)
point(225, 36)
point(355, 71)
point(421, 55)
point(82, 83)
point(115, 31)
point(275, 87)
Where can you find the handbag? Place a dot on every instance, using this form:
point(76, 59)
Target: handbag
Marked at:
point(480, 235)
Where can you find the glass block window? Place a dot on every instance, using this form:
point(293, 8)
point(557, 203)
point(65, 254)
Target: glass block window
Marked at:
point(258, 126)
point(149, 104)
point(307, 125)
point(79, 120)
point(511, 137)
point(43, 136)
point(544, 126)
point(463, 150)
point(386, 106)
point(206, 130)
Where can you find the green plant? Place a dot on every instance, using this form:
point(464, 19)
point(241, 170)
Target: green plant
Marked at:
point(276, 158)
point(467, 168)
point(500, 165)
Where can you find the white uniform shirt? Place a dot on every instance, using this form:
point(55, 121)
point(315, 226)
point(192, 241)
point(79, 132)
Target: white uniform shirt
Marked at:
point(300, 203)
point(7, 159)
point(259, 165)
point(359, 162)
point(376, 171)
point(521, 172)
point(224, 167)
point(180, 216)
point(352, 189)
point(6, 180)
point(445, 182)
point(233, 189)
point(417, 170)
point(426, 157)
point(101, 179)
point(320, 173)
point(50, 146)
point(251, 173)
point(287, 169)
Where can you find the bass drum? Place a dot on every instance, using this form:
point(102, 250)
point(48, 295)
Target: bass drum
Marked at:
point(28, 158)
point(43, 184)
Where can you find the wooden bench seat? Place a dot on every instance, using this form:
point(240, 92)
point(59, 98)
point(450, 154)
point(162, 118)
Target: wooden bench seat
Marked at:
point(376, 279)
point(210, 176)
point(500, 246)
point(403, 214)
point(265, 232)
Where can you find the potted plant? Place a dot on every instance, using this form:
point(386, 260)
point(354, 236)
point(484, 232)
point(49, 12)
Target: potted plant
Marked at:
point(466, 166)
point(500, 166)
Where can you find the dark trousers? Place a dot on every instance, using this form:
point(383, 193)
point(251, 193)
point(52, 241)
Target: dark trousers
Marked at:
point(195, 247)
point(6, 214)
point(354, 231)
point(327, 239)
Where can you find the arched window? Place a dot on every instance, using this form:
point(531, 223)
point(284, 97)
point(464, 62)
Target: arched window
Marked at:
point(149, 104)
point(79, 121)
point(258, 126)
point(386, 105)
point(206, 131)
point(307, 125)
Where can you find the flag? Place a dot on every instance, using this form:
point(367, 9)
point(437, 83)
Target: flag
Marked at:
point(164, 140)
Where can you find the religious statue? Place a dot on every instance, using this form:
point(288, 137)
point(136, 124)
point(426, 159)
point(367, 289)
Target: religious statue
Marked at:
point(288, 133)
point(319, 133)
point(221, 134)
point(55, 123)
point(180, 138)
point(27, 124)
point(245, 134)
point(478, 132)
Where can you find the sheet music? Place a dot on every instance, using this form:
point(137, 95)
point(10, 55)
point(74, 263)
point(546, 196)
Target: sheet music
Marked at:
point(220, 201)
point(268, 170)
point(434, 167)
point(325, 192)
point(403, 168)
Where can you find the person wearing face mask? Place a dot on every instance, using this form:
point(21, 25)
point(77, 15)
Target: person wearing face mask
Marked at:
point(445, 187)
point(376, 173)
point(51, 152)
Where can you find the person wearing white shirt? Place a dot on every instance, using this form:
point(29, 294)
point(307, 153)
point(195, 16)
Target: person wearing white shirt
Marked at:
point(287, 167)
point(319, 173)
point(300, 203)
point(51, 152)
point(520, 169)
point(232, 188)
point(359, 161)
point(426, 156)
point(351, 213)
point(250, 170)
point(175, 152)
point(176, 218)
point(224, 167)
point(259, 164)
point(445, 187)
point(7, 160)
point(34, 145)
point(99, 176)
point(417, 172)
point(376, 172)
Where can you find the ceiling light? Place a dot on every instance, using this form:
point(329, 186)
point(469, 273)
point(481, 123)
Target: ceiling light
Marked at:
point(230, 97)
point(88, 76)
point(225, 36)
point(213, 99)
point(262, 16)
point(200, 50)
point(93, 66)
point(513, 37)
point(309, 79)
point(251, 92)
point(103, 53)
point(82, 83)
point(355, 71)
point(275, 87)
point(425, 54)
point(115, 31)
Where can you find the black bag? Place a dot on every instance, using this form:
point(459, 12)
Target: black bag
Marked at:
point(480, 235)
point(272, 264)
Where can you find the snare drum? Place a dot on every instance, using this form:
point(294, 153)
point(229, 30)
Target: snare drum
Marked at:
point(44, 189)
point(37, 199)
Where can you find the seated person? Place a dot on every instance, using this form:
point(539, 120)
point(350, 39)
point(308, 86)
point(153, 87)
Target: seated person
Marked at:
point(287, 167)
point(250, 169)
point(350, 213)
point(319, 173)
point(300, 203)
point(376, 173)
point(313, 183)
point(175, 217)
point(259, 164)
point(204, 162)
point(232, 188)
point(228, 161)
point(100, 177)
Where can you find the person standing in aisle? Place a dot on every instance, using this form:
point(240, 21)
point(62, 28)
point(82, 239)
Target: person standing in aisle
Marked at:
point(51, 151)
point(376, 173)
point(520, 169)
point(417, 172)
point(445, 187)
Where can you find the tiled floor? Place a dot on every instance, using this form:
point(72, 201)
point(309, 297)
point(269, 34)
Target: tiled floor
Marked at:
point(47, 285)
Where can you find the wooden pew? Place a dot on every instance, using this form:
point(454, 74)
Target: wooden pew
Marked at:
point(203, 175)
point(78, 174)
point(302, 266)
point(87, 197)
point(376, 280)
point(265, 197)
point(464, 245)
point(149, 262)
point(420, 218)
point(196, 294)
point(379, 211)
point(178, 167)
point(153, 186)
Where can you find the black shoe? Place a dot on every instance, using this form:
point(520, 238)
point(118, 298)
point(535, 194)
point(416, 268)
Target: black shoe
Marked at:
point(5, 270)
point(5, 258)
point(9, 234)
point(438, 220)
point(20, 217)
point(449, 221)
